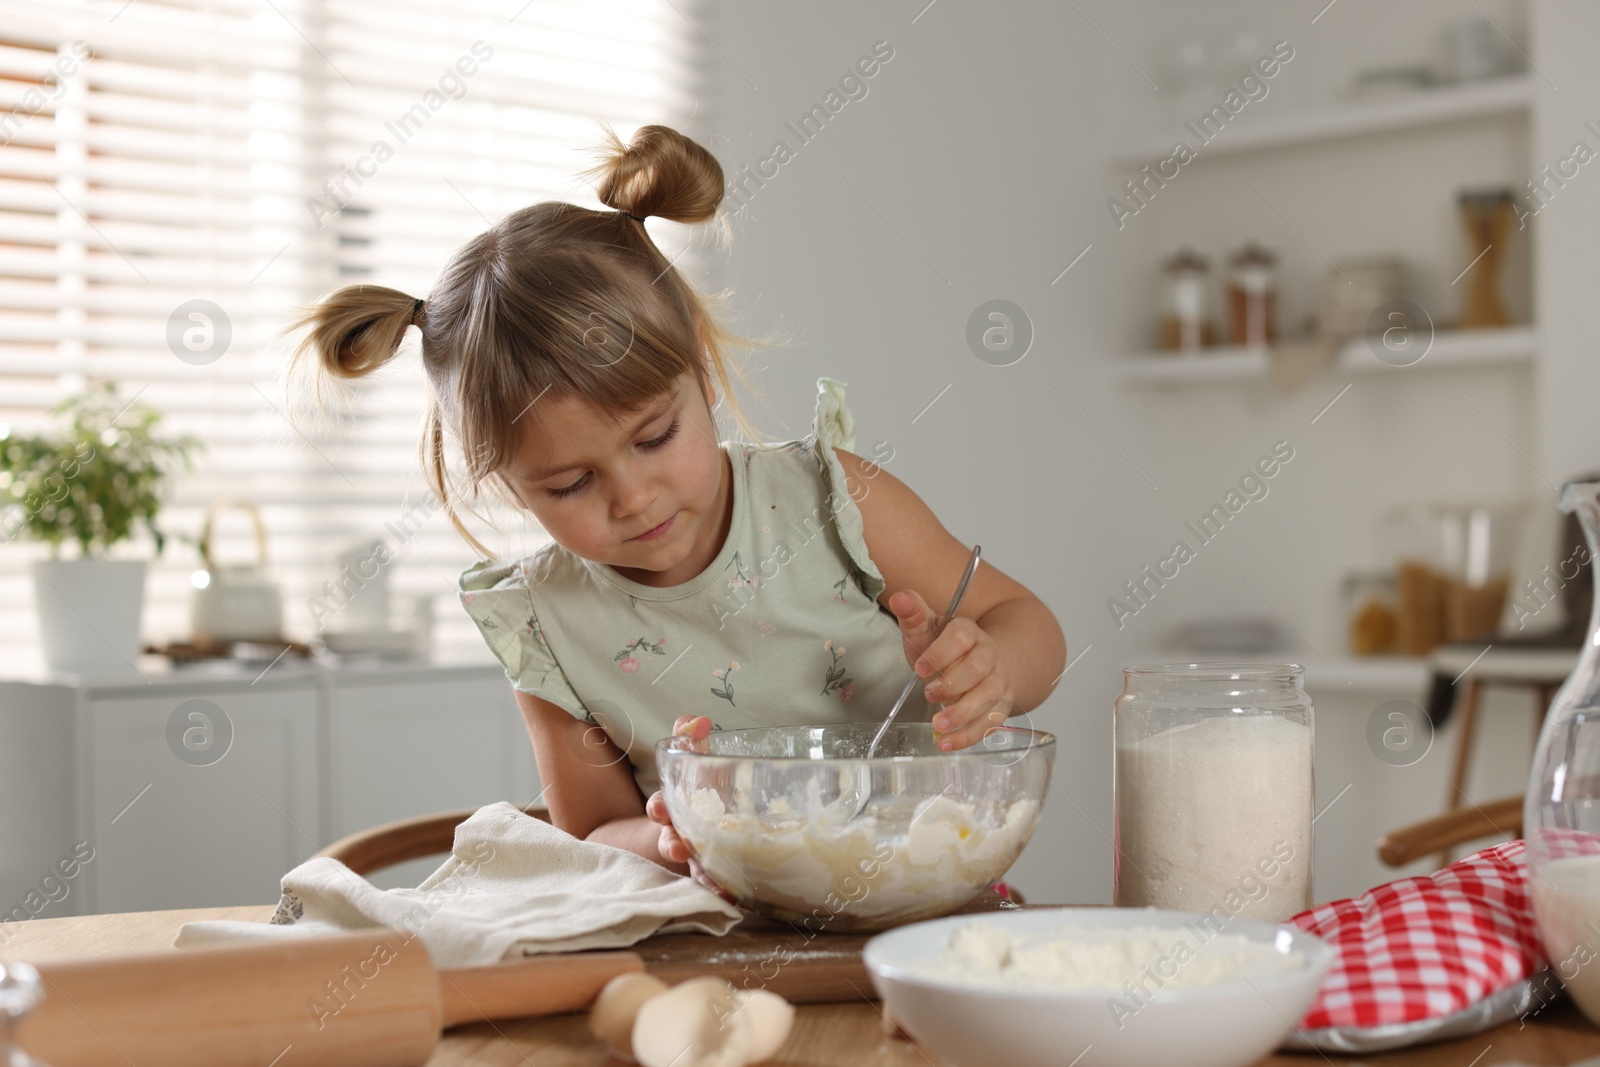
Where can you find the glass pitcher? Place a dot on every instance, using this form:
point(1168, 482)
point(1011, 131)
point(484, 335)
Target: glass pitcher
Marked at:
point(1561, 813)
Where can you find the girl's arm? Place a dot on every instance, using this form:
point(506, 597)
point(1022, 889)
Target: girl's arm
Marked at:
point(1003, 652)
point(589, 786)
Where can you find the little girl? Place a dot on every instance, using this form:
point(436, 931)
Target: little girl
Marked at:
point(757, 584)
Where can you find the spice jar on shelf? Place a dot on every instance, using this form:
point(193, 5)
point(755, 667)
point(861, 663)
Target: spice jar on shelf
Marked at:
point(1252, 296)
point(1213, 789)
point(1186, 323)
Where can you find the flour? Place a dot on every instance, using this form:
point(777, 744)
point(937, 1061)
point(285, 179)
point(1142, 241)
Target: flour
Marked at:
point(901, 860)
point(1215, 816)
point(1142, 959)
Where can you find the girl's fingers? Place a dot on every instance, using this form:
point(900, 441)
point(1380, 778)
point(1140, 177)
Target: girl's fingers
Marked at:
point(959, 637)
point(959, 677)
point(918, 623)
point(699, 874)
point(983, 708)
point(672, 847)
point(656, 808)
point(695, 726)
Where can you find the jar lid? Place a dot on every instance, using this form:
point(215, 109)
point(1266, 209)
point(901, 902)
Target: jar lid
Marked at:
point(1186, 260)
point(1251, 254)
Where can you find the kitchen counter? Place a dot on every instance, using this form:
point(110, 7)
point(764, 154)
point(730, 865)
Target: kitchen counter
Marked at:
point(824, 1034)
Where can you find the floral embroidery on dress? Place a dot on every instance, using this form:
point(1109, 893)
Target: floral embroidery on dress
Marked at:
point(628, 662)
point(740, 577)
point(838, 588)
point(767, 629)
point(836, 680)
point(725, 691)
point(802, 447)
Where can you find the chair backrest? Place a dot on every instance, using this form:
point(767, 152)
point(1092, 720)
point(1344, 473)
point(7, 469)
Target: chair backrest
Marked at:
point(1501, 817)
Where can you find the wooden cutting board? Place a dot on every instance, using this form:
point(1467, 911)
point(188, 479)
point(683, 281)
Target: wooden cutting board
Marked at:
point(799, 964)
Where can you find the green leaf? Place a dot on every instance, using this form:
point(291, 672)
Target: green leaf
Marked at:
point(97, 480)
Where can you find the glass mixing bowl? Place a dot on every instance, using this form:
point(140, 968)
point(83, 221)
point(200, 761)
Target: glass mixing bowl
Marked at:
point(767, 812)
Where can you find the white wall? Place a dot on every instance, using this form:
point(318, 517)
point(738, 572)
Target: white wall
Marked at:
point(1564, 35)
point(976, 168)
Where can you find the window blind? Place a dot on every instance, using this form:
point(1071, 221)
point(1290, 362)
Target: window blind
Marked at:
point(253, 155)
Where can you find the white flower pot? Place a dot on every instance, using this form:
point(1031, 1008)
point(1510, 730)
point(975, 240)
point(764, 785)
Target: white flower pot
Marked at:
point(89, 613)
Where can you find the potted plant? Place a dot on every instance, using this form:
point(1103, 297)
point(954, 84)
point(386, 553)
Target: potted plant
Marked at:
point(90, 486)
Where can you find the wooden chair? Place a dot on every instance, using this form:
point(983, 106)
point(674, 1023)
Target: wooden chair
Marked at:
point(1443, 832)
point(407, 839)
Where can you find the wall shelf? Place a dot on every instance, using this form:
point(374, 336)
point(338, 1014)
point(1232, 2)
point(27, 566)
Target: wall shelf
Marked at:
point(1425, 107)
point(1452, 349)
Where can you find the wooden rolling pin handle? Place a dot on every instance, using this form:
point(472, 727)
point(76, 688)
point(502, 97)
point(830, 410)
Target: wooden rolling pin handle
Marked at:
point(536, 986)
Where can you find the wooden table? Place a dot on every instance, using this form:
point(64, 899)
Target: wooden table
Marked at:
point(824, 1034)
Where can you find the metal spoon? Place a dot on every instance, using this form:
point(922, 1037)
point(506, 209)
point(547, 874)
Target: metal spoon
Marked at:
point(872, 749)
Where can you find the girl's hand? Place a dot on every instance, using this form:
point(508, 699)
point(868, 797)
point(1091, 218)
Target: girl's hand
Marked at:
point(672, 847)
point(969, 673)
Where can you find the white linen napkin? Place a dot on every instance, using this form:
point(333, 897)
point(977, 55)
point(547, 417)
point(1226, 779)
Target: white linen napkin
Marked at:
point(513, 886)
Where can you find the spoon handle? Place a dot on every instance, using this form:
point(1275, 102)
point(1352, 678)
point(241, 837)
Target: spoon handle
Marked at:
point(955, 602)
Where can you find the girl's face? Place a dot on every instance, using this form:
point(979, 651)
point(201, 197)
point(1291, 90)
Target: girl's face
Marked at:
point(646, 495)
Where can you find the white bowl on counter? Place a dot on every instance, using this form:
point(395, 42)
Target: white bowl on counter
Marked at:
point(965, 1022)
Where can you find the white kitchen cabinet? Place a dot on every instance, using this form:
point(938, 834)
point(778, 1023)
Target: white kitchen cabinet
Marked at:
point(317, 751)
point(404, 743)
point(170, 834)
point(417, 745)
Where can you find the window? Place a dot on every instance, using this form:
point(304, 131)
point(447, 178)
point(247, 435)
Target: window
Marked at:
point(255, 155)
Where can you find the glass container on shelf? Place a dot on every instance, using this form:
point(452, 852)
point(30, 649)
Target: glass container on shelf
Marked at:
point(1252, 296)
point(1186, 324)
point(1371, 611)
point(1452, 571)
point(1213, 789)
point(1486, 215)
point(1561, 812)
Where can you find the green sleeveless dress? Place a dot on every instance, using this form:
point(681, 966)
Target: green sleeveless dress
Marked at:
point(783, 628)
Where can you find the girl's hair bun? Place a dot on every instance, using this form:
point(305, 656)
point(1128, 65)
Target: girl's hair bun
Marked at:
point(660, 172)
point(355, 330)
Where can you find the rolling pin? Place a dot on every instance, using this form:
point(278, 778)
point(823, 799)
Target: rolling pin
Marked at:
point(370, 999)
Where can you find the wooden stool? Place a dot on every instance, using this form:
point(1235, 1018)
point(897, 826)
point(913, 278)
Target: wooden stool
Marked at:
point(1475, 669)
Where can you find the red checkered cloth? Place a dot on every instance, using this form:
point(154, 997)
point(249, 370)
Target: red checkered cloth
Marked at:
point(1427, 947)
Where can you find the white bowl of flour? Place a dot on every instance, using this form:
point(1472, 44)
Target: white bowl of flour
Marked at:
point(1097, 987)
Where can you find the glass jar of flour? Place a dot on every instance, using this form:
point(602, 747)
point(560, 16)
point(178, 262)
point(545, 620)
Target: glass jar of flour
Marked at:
point(1213, 790)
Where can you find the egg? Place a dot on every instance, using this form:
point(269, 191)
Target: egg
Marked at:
point(768, 1017)
point(611, 1018)
point(693, 1024)
point(705, 1022)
